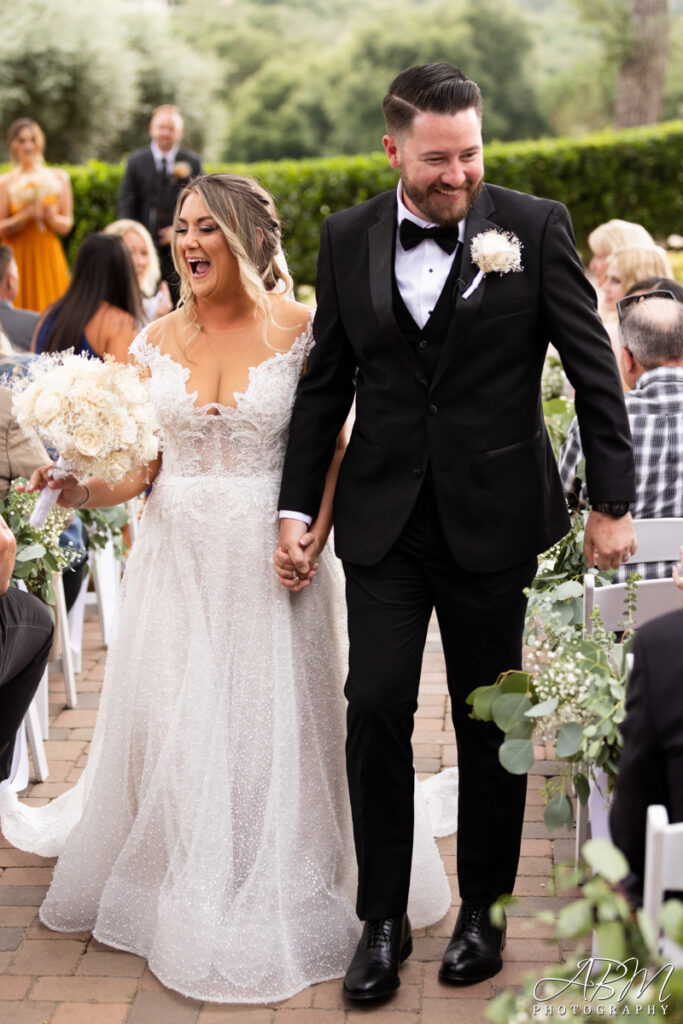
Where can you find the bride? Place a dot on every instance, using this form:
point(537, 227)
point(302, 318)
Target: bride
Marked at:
point(210, 831)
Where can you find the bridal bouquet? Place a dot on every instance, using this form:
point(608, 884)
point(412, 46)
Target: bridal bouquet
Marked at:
point(97, 414)
point(40, 187)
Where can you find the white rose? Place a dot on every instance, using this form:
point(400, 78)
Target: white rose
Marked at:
point(87, 442)
point(118, 466)
point(126, 431)
point(48, 405)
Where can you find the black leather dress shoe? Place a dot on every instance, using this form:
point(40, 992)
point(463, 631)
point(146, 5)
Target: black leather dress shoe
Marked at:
point(474, 952)
point(373, 973)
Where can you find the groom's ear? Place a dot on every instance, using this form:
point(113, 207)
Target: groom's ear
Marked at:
point(391, 148)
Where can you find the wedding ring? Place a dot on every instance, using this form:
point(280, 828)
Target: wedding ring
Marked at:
point(295, 576)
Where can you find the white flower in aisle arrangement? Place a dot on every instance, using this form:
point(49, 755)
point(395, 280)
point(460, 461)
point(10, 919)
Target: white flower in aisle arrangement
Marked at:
point(97, 414)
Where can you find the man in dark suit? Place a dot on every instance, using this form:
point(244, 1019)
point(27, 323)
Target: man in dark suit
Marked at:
point(651, 763)
point(448, 489)
point(18, 324)
point(152, 181)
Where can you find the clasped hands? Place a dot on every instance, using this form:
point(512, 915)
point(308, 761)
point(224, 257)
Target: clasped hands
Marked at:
point(294, 558)
point(608, 542)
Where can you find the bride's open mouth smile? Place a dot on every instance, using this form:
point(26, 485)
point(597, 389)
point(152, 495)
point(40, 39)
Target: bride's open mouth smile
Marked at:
point(198, 268)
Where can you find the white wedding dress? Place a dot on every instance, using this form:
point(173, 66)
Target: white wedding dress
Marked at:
point(210, 832)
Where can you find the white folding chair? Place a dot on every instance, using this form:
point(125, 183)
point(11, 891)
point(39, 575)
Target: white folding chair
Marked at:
point(663, 870)
point(658, 540)
point(106, 574)
point(64, 663)
point(655, 597)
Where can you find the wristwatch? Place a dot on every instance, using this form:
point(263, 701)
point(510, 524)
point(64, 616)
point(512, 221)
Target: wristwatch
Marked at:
point(616, 509)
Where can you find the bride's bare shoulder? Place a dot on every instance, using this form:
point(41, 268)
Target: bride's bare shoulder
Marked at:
point(165, 331)
point(290, 314)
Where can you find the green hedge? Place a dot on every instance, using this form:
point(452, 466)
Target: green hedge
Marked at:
point(635, 174)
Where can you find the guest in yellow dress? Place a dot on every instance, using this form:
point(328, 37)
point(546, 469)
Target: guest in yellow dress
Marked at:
point(36, 205)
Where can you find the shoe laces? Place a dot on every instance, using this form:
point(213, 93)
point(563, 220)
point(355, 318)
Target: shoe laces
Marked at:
point(474, 916)
point(379, 932)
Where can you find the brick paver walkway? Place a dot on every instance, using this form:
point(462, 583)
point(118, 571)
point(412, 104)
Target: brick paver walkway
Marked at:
point(48, 978)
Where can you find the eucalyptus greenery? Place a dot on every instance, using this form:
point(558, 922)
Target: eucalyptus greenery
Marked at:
point(573, 694)
point(103, 525)
point(623, 935)
point(38, 552)
point(556, 594)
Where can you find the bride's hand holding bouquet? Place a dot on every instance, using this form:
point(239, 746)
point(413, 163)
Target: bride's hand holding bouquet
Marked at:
point(97, 415)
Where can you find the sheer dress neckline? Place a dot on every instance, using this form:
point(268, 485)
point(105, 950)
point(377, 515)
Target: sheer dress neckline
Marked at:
point(255, 372)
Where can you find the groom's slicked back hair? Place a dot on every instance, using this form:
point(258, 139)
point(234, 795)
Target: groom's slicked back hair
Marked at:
point(435, 88)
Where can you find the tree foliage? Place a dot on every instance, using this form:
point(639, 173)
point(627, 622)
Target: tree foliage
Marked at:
point(91, 74)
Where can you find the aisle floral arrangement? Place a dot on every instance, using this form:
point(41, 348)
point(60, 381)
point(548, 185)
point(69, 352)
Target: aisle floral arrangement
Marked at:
point(628, 977)
point(38, 552)
point(574, 691)
point(95, 413)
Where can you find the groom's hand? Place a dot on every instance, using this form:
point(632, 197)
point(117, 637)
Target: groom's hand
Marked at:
point(608, 542)
point(293, 564)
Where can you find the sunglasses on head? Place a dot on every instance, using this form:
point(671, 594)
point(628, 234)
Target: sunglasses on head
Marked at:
point(632, 300)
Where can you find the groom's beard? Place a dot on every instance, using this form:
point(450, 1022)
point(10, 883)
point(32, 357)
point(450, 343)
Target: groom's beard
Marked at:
point(435, 207)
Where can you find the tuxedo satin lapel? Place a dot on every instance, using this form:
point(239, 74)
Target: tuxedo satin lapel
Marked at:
point(466, 310)
point(381, 254)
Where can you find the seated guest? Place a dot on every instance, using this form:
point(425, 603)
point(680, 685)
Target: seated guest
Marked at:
point(607, 238)
point(651, 763)
point(625, 267)
point(100, 313)
point(156, 299)
point(25, 640)
point(651, 332)
point(17, 324)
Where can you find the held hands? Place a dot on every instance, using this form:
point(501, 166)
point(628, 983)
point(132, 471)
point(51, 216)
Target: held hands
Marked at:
point(294, 559)
point(608, 542)
point(73, 494)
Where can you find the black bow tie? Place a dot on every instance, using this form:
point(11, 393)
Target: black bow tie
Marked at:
point(411, 234)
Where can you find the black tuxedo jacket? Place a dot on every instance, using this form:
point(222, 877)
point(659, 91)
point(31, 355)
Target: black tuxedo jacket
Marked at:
point(478, 424)
point(651, 764)
point(141, 196)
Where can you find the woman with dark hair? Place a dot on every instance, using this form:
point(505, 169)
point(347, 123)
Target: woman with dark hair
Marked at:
point(36, 205)
point(101, 311)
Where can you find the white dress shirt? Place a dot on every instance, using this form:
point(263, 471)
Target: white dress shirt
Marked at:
point(421, 272)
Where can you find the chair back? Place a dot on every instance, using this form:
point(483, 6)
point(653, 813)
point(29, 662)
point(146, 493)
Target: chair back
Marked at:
point(663, 871)
point(658, 540)
point(655, 597)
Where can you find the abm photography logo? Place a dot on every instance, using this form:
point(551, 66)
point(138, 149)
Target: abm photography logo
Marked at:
point(604, 988)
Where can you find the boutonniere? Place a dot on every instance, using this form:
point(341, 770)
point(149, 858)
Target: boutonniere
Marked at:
point(494, 252)
point(181, 170)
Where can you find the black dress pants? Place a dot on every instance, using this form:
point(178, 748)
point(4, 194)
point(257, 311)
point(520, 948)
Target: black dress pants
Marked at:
point(25, 639)
point(481, 617)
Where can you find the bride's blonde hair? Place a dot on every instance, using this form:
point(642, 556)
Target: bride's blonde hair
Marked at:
point(246, 215)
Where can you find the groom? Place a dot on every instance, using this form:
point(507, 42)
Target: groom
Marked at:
point(448, 489)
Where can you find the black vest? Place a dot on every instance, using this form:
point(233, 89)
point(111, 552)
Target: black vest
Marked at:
point(427, 342)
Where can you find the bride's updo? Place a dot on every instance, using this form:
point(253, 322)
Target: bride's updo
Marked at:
point(246, 215)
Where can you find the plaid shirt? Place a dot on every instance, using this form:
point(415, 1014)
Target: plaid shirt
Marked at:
point(655, 412)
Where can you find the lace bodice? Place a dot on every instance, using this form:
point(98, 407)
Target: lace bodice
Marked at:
point(248, 439)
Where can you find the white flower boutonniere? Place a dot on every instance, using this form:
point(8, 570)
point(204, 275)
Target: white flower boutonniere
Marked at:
point(494, 252)
point(182, 169)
